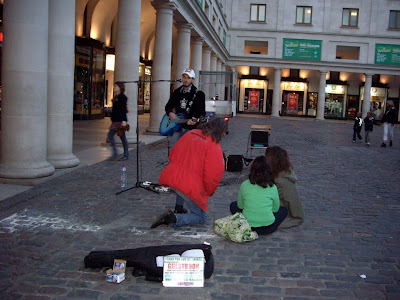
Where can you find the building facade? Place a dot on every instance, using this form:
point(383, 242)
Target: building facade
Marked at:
point(60, 59)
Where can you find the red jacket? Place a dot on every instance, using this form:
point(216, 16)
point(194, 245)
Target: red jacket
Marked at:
point(195, 168)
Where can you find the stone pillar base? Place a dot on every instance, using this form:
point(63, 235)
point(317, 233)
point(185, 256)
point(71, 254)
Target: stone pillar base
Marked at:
point(64, 162)
point(43, 170)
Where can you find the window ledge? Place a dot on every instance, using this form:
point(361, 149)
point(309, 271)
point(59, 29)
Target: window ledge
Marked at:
point(393, 29)
point(257, 22)
point(349, 27)
point(303, 24)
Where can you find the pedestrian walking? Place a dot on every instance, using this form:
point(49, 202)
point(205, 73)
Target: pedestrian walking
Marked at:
point(388, 120)
point(118, 118)
point(369, 122)
point(358, 121)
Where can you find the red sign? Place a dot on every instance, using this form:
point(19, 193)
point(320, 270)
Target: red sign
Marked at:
point(254, 97)
point(1, 36)
point(292, 103)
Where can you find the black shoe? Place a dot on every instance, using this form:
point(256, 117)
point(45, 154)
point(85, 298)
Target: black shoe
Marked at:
point(166, 218)
point(390, 144)
point(179, 209)
point(383, 145)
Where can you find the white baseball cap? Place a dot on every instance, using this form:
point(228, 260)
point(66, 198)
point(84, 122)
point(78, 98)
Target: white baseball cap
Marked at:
point(190, 72)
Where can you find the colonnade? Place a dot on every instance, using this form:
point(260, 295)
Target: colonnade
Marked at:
point(38, 78)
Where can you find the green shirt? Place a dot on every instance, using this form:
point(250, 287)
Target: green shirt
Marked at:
point(258, 203)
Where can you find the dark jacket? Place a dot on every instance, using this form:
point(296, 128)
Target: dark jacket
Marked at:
point(357, 123)
point(390, 116)
point(119, 111)
point(369, 123)
point(191, 104)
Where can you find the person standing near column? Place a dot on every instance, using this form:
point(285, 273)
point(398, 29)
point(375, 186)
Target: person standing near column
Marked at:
point(388, 120)
point(118, 118)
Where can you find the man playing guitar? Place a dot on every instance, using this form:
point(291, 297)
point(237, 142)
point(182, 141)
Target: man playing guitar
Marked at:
point(189, 101)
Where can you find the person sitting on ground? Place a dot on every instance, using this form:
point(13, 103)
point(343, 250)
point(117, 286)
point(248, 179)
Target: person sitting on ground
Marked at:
point(285, 180)
point(258, 199)
point(195, 169)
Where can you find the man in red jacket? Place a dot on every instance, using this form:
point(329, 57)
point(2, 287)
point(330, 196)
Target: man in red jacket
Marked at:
point(195, 169)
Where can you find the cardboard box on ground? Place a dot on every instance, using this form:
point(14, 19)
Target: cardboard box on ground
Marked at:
point(117, 273)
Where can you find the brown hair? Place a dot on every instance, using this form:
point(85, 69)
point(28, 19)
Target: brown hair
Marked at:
point(261, 172)
point(216, 128)
point(121, 86)
point(279, 160)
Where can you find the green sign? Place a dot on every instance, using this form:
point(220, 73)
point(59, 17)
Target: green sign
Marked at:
point(387, 54)
point(302, 49)
point(200, 3)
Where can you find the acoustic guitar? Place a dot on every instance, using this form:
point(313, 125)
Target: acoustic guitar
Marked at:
point(169, 126)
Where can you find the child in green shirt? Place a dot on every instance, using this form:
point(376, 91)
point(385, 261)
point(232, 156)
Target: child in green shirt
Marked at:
point(258, 199)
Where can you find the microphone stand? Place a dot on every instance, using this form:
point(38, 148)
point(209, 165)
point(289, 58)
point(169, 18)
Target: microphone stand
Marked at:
point(139, 184)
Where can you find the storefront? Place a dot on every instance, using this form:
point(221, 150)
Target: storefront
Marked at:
point(293, 97)
point(378, 100)
point(335, 101)
point(252, 96)
point(89, 94)
point(144, 88)
point(311, 107)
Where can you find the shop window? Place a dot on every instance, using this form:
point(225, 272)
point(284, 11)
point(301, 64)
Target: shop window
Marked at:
point(254, 47)
point(347, 52)
point(394, 19)
point(350, 17)
point(303, 15)
point(258, 12)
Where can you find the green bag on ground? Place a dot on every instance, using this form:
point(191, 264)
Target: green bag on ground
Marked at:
point(235, 228)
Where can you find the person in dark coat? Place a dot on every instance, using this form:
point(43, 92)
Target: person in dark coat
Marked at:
point(118, 118)
point(358, 121)
point(369, 122)
point(388, 120)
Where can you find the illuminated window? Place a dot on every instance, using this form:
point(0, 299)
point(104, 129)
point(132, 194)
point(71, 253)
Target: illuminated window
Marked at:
point(303, 14)
point(350, 17)
point(257, 12)
point(394, 19)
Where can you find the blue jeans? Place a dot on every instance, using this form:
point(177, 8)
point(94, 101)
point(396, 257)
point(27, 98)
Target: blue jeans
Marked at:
point(177, 135)
point(280, 215)
point(124, 141)
point(196, 215)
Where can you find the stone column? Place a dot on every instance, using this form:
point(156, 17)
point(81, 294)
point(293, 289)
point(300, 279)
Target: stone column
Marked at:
point(60, 84)
point(321, 96)
point(197, 46)
point(183, 48)
point(276, 96)
point(213, 68)
point(366, 106)
point(219, 80)
point(161, 62)
point(24, 89)
point(127, 53)
point(223, 85)
point(205, 66)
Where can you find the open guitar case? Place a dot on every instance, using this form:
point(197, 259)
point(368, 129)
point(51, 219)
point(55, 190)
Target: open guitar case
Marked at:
point(143, 260)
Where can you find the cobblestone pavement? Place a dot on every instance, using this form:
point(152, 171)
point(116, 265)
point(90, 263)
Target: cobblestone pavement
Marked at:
point(350, 194)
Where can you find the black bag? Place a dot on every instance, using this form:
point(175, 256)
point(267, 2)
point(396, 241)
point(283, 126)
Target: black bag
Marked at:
point(143, 260)
point(234, 163)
